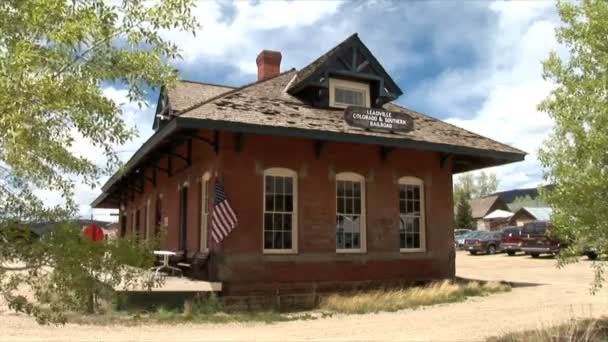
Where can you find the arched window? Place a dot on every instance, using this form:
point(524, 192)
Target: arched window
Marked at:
point(412, 229)
point(280, 211)
point(350, 213)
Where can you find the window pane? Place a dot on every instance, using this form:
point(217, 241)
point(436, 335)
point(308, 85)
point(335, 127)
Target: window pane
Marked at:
point(348, 189)
point(278, 184)
point(339, 241)
point(287, 220)
point(340, 204)
point(268, 240)
point(340, 189)
point(289, 203)
point(268, 222)
point(269, 184)
point(349, 96)
point(278, 203)
point(278, 222)
point(357, 189)
point(269, 202)
point(287, 240)
point(356, 242)
point(349, 206)
point(277, 240)
point(356, 223)
point(288, 185)
point(357, 209)
point(348, 240)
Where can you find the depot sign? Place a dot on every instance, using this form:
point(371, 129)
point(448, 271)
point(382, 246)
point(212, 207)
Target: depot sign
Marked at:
point(378, 119)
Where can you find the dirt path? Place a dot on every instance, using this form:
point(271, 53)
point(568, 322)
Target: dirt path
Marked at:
point(547, 296)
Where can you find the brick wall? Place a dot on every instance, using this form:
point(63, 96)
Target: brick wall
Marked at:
point(243, 267)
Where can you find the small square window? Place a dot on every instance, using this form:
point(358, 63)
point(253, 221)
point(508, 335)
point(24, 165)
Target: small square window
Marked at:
point(347, 93)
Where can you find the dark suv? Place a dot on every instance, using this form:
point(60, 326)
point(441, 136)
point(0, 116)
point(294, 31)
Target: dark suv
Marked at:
point(511, 240)
point(483, 242)
point(538, 239)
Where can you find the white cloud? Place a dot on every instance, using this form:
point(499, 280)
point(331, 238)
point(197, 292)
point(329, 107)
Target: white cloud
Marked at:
point(510, 85)
point(495, 93)
point(218, 38)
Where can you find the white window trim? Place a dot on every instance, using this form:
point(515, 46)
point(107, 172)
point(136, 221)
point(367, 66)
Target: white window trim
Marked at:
point(419, 182)
point(357, 86)
point(205, 212)
point(355, 177)
point(282, 172)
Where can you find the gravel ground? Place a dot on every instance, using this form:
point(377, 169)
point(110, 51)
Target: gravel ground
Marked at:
point(544, 296)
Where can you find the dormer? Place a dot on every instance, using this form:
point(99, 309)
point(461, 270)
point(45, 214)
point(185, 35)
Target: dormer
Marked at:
point(347, 75)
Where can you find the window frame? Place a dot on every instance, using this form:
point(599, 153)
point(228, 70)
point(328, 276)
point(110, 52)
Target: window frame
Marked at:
point(349, 85)
point(205, 213)
point(409, 180)
point(282, 172)
point(353, 177)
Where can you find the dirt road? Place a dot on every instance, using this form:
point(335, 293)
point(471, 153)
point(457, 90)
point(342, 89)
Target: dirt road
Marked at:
point(544, 296)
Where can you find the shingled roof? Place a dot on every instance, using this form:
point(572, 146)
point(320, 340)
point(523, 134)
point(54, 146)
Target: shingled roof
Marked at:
point(188, 93)
point(266, 107)
point(268, 104)
point(481, 207)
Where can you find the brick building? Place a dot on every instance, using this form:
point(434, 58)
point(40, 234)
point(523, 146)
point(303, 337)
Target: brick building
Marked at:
point(324, 195)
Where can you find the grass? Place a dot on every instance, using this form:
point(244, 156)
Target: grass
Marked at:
point(210, 309)
point(207, 310)
point(393, 300)
point(586, 330)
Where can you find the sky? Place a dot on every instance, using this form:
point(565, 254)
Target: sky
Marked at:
point(476, 64)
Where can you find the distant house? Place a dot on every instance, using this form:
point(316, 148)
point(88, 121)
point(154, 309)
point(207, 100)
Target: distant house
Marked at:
point(527, 214)
point(481, 207)
point(497, 220)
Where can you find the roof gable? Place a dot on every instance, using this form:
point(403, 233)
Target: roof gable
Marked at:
point(350, 59)
point(481, 207)
point(184, 95)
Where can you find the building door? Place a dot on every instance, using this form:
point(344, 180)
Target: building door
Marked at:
point(183, 218)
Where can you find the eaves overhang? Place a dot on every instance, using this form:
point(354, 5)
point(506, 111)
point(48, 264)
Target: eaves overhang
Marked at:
point(491, 157)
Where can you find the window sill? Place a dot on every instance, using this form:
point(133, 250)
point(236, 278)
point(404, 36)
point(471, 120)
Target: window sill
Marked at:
point(279, 251)
point(350, 251)
point(412, 250)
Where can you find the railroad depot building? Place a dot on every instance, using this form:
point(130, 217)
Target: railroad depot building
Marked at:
point(332, 183)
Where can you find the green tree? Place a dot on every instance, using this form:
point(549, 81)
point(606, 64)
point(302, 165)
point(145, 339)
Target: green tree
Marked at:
point(464, 215)
point(574, 156)
point(54, 57)
point(471, 186)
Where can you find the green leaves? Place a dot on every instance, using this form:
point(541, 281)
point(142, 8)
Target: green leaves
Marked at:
point(575, 154)
point(54, 56)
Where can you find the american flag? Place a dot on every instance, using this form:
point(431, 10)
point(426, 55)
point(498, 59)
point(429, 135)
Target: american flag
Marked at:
point(223, 218)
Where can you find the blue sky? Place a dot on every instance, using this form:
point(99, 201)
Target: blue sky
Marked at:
point(476, 64)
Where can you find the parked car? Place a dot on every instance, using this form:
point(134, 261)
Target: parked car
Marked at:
point(458, 233)
point(539, 239)
point(511, 240)
point(460, 240)
point(483, 242)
